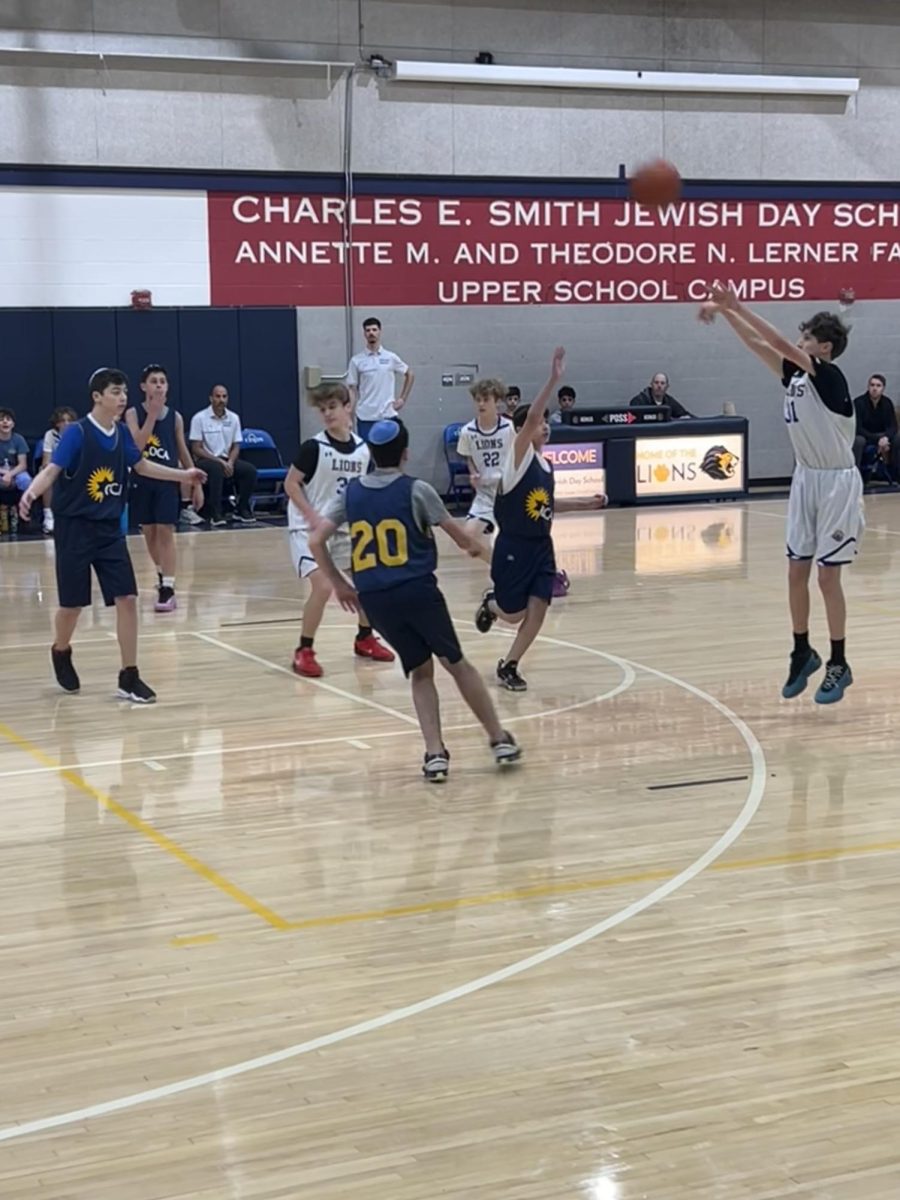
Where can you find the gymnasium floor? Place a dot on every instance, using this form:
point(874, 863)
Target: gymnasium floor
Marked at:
point(245, 952)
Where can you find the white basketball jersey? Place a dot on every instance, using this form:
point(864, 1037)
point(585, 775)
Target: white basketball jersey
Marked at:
point(333, 472)
point(488, 452)
point(821, 439)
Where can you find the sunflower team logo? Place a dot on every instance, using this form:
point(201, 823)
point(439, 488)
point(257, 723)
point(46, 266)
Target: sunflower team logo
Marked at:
point(101, 484)
point(537, 504)
point(719, 463)
point(154, 449)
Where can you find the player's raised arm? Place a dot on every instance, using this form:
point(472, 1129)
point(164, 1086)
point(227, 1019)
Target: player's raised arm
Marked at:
point(538, 406)
point(746, 322)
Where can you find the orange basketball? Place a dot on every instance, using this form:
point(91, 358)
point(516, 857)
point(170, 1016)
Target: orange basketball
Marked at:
point(656, 183)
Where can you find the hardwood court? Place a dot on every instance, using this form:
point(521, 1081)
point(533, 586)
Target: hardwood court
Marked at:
point(246, 952)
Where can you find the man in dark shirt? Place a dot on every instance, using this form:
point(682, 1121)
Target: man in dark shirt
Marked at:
point(658, 393)
point(876, 425)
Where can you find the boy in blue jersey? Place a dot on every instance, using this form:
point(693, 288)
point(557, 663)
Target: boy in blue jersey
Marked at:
point(89, 476)
point(523, 567)
point(158, 432)
point(393, 561)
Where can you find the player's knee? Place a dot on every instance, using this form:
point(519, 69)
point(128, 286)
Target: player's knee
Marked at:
point(126, 603)
point(424, 670)
point(829, 579)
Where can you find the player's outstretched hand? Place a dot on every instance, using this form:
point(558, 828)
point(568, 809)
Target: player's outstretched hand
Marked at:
point(558, 366)
point(707, 312)
point(195, 475)
point(347, 597)
point(25, 504)
point(722, 296)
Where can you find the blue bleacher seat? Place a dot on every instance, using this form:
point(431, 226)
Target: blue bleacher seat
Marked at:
point(258, 448)
point(458, 468)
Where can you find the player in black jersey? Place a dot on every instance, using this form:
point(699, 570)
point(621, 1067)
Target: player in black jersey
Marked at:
point(523, 567)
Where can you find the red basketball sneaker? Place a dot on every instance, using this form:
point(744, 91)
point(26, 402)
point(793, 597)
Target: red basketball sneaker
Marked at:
point(306, 663)
point(370, 647)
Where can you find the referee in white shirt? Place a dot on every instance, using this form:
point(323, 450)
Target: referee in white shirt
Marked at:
point(216, 438)
point(370, 378)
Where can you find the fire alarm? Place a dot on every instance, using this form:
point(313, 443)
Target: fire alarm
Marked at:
point(142, 298)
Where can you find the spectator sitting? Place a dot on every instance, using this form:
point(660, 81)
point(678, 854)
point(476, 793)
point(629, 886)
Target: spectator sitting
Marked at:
point(14, 477)
point(658, 393)
point(512, 400)
point(216, 437)
point(565, 398)
point(59, 419)
point(876, 425)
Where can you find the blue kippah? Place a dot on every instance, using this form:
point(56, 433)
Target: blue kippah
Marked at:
point(383, 432)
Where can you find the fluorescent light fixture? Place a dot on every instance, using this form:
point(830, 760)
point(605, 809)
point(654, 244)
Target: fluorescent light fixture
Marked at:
point(629, 81)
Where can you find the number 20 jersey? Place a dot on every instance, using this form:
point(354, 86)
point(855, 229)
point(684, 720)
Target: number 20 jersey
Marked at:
point(389, 547)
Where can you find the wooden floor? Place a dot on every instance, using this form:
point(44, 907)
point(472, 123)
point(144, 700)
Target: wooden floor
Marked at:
point(245, 952)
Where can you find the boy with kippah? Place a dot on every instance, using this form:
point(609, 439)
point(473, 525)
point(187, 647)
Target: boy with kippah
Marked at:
point(393, 562)
point(89, 477)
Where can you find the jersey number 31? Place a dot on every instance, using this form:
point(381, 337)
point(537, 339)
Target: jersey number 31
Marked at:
point(384, 545)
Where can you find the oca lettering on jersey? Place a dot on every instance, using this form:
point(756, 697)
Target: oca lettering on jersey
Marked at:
point(155, 450)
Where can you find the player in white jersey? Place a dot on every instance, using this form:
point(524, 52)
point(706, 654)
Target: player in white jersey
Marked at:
point(319, 473)
point(825, 510)
point(485, 443)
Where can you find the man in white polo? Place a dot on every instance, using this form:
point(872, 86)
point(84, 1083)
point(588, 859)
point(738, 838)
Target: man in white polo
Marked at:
point(370, 378)
point(216, 438)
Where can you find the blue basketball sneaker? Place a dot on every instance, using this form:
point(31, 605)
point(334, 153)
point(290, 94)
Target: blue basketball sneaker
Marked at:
point(802, 666)
point(838, 678)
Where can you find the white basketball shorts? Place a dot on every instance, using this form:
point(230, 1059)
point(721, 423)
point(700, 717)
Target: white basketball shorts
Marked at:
point(302, 556)
point(826, 518)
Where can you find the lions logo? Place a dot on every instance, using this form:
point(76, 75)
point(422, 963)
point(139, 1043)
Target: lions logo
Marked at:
point(537, 504)
point(102, 483)
point(719, 463)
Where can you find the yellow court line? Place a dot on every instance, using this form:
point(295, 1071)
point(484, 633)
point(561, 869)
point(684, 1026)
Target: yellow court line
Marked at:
point(197, 939)
point(570, 888)
point(152, 834)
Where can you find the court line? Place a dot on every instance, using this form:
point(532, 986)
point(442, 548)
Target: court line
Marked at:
point(214, 751)
point(783, 517)
point(572, 887)
point(196, 939)
point(556, 950)
point(149, 831)
point(325, 687)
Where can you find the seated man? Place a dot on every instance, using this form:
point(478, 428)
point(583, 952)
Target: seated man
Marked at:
point(14, 477)
point(876, 425)
point(658, 393)
point(216, 437)
point(565, 398)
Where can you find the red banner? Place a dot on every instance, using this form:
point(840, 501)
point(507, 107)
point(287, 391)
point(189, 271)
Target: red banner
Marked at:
point(269, 249)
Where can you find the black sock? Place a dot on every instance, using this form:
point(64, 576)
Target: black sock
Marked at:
point(306, 643)
point(837, 653)
point(510, 664)
point(364, 631)
point(159, 576)
point(801, 643)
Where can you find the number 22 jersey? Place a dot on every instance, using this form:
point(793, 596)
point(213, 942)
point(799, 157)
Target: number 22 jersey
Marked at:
point(488, 451)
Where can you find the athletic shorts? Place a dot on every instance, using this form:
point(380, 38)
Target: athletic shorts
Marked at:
point(152, 502)
point(521, 568)
point(414, 619)
point(302, 556)
point(482, 509)
point(82, 544)
point(826, 518)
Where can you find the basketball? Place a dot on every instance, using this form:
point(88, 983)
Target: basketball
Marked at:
point(656, 183)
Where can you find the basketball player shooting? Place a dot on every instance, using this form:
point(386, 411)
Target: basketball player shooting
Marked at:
point(825, 509)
